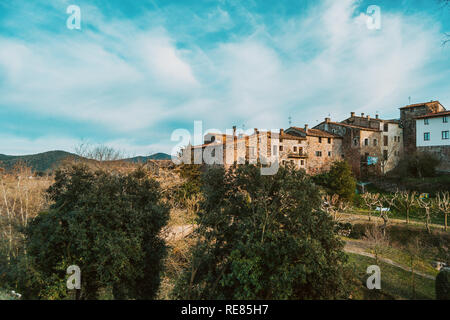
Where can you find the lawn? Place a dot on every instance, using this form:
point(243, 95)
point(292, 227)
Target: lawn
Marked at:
point(395, 282)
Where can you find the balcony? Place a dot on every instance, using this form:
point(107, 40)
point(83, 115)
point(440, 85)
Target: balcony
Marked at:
point(297, 155)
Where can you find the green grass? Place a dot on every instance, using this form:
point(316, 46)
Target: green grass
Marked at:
point(395, 282)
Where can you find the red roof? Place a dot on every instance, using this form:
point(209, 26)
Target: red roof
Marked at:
point(421, 104)
point(316, 133)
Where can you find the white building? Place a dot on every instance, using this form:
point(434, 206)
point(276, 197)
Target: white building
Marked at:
point(433, 136)
point(433, 129)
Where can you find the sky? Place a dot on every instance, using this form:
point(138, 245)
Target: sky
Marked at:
point(139, 69)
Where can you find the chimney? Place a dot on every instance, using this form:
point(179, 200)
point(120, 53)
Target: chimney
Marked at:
point(376, 116)
point(368, 117)
point(256, 130)
point(362, 114)
point(327, 120)
point(306, 128)
point(281, 131)
point(352, 114)
point(234, 131)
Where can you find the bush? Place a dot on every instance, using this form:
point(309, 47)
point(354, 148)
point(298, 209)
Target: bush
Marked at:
point(339, 180)
point(108, 224)
point(263, 237)
point(443, 284)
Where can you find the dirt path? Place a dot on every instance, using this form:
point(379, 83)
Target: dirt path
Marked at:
point(359, 248)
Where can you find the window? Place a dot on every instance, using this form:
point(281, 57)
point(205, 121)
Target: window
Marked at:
point(386, 141)
point(398, 138)
point(320, 140)
point(386, 127)
point(329, 153)
point(444, 135)
point(302, 162)
point(295, 149)
point(355, 142)
point(385, 154)
point(329, 140)
point(445, 119)
point(318, 153)
point(366, 142)
point(426, 136)
point(425, 121)
point(281, 148)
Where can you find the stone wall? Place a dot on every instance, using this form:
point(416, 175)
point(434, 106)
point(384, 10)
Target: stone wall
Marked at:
point(440, 152)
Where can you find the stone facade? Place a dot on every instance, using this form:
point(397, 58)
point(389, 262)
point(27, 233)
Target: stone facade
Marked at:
point(408, 122)
point(371, 146)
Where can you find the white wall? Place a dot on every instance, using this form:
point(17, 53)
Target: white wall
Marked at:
point(435, 128)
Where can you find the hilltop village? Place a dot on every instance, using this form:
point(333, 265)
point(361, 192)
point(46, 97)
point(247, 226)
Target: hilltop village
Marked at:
point(370, 145)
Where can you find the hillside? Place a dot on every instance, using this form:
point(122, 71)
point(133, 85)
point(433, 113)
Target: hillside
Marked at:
point(48, 161)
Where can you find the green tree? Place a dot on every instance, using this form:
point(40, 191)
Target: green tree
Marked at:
point(341, 180)
point(108, 224)
point(263, 237)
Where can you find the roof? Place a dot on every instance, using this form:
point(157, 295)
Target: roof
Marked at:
point(352, 126)
point(421, 104)
point(288, 136)
point(316, 133)
point(435, 115)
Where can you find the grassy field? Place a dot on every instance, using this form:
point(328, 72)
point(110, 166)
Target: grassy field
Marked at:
point(395, 282)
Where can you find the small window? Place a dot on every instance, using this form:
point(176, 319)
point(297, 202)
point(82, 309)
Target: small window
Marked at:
point(386, 140)
point(444, 135)
point(302, 162)
point(281, 148)
point(375, 142)
point(329, 153)
point(426, 136)
point(386, 127)
point(366, 142)
point(398, 138)
point(318, 153)
point(355, 142)
point(425, 121)
point(320, 140)
point(295, 149)
point(329, 140)
point(445, 119)
point(385, 154)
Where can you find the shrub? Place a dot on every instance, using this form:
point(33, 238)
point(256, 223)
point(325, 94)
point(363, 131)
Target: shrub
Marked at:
point(341, 180)
point(263, 237)
point(443, 284)
point(108, 224)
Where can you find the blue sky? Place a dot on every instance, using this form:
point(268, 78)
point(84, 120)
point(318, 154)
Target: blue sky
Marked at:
point(138, 70)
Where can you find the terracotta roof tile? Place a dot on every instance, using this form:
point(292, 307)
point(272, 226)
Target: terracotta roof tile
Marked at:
point(316, 133)
point(420, 104)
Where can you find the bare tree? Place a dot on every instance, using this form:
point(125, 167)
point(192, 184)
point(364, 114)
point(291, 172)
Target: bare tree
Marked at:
point(393, 150)
point(371, 201)
point(427, 205)
point(333, 205)
point(99, 152)
point(405, 201)
point(376, 240)
point(442, 205)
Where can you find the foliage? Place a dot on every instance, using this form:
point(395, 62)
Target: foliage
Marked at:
point(108, 224)
point(339, 180)
point(193, 182)
point(263, 237)
point(443, 284)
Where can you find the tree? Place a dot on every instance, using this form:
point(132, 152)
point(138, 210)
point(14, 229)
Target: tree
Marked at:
point(341, 180)
point(371, 201)
point(107, 224)
point(263, 237)
point(333, 205)
point(406, 201)
point(442, 204)
point(427, 205)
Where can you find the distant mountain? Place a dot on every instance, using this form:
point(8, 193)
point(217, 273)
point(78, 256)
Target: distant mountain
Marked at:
point(156, 156)
point(38, 162)
point(47, 161)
